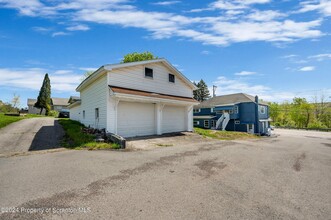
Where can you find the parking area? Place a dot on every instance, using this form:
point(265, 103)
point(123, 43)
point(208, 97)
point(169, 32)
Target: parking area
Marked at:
point(287, 176)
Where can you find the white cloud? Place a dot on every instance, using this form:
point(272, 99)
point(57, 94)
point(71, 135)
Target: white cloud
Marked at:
point(32, 78)
point(245, 73)
point(79, 27)
point(88, 68)
point(229, 86)
point(323, 6)
point(60, 33)
point(60, 72)
point(307, 68)
point(165, 3)
point(42, 29)
point(288, 56)
point(267, 15)
point(240, 23)
point(205, 52)
point(321, 57)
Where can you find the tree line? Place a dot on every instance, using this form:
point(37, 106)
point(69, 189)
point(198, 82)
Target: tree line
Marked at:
point(301, 114)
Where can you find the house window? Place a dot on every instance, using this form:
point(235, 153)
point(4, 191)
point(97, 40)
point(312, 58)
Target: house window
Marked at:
point(262, 109)
point(195, 122)
point(148, 72)
point(171, 78)
point(196, 110)
point(237, 122)
point(236, 109)
point(212, 110)
point(213, 123)
point(97, 113)
point(230, 111)
point(206, 123)
point(83, 114)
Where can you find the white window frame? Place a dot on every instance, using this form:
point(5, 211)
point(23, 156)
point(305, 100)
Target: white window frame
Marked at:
point(196, 122)
point(211, 110)
point(236, 109)
point(264, 109)
point(213, 123)
point(197, 110)
point(148, 77)
point(204, 123)
point(169, 78)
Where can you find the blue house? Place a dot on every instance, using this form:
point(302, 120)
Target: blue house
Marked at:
point(234, 112)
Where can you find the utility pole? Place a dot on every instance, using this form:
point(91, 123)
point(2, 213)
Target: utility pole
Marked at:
point(214, 90)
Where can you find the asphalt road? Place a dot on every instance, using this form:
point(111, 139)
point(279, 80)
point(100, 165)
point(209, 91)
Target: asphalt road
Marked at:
point(30, 134)
point(284, 177)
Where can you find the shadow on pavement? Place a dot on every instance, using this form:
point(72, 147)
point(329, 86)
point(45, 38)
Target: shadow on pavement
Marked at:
point(48, 137)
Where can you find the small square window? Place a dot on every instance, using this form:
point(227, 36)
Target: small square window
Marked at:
point(148, 72)
point(171, 78)
point(237, 122)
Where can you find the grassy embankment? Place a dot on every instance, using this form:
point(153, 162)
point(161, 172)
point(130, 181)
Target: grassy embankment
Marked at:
point(76, 139)
point(224, 135)
point(6, 120)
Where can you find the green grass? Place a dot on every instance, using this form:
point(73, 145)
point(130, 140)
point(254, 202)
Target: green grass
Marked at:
point(6, 120)
point(76, 139)
point(224, 135)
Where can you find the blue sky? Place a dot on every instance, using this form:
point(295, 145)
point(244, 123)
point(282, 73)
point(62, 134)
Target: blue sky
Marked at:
point(274, 49)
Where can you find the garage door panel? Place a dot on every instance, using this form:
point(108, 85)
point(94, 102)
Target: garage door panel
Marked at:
point(135, 119)
point(173, 119)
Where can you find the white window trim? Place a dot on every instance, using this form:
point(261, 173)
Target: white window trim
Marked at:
point(236, 109)
point(264, 109)
point(197, 110)
point(196, 122)
point(169, 78)
point(204, 123)
point(148, 77)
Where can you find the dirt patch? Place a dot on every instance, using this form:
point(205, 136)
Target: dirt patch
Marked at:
point(327, 144)
point(210, 167)
point(297, 165)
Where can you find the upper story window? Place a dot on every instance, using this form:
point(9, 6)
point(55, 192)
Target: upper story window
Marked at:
point(171, 78)
point(262, 109)
point(236, 109)
point(148, 72)
point(196, 110)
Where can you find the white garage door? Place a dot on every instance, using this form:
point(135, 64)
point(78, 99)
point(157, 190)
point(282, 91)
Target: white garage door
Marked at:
point(173, 119)
point(135, 119)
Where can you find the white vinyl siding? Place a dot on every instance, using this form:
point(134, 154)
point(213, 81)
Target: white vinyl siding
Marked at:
point(134, 78)
point(135, 119)
point(95, 96)
point(75, 113)
point(173, 119)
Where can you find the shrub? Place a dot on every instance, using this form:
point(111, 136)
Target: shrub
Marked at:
point(53, 113)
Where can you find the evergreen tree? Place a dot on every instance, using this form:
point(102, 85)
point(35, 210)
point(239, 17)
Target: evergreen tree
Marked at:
point(44, 97)
point(202, 93)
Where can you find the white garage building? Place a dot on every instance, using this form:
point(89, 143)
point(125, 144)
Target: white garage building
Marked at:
point(136, 99)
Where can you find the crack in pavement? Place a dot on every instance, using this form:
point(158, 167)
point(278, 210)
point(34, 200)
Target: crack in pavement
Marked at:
point(63, 199)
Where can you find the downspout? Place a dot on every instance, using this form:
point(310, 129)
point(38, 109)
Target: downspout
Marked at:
point(257, 119)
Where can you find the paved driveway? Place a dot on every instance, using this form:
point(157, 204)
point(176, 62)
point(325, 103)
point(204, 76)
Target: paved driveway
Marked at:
point(30, 134)
point(287, 177)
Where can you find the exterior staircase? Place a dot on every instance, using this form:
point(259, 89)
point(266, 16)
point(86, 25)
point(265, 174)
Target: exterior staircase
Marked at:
point(223, 121)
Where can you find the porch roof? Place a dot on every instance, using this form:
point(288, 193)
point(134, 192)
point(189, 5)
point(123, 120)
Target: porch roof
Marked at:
point(122, 90)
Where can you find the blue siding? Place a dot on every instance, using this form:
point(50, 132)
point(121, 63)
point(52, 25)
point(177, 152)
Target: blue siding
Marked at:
point(248, 113)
